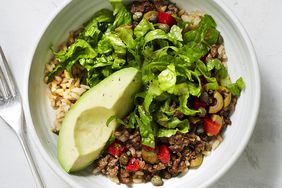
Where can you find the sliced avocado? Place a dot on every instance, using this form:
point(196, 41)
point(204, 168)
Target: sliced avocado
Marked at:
point(84, 132)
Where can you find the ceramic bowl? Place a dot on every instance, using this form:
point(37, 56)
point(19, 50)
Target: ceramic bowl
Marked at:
point(242, 62)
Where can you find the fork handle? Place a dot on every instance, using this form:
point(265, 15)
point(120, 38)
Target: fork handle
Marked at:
point(34, 170)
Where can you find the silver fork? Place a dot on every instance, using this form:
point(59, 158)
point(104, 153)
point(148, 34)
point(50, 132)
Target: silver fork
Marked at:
point(11, 113)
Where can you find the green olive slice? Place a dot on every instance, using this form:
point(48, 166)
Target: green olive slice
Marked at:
point(227, 96)
point(195, 163)
point(218, 105)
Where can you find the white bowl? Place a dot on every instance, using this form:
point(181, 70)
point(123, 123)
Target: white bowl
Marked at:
point(242, 62)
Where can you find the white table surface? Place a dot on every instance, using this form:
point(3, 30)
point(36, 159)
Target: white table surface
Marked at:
point(22, 21)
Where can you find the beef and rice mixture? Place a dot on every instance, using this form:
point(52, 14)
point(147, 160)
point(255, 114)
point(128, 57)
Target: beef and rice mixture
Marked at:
point(126, 160)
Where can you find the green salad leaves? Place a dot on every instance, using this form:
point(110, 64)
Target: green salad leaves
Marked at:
point(171, 63)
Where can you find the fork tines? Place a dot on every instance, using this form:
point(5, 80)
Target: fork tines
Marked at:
point(7, 86)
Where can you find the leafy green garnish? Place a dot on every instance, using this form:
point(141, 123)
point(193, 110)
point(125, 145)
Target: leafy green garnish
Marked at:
point(206, 32)
point(122, 15)
point(173, 66)
point(237, 87)
point(143, 27)
point(144, 122)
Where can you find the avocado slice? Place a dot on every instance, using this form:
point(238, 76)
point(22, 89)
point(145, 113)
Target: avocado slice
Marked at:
point(84, 132)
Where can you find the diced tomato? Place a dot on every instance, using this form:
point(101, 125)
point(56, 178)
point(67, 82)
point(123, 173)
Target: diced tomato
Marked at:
point(211, 127)
point(147, 148)
point(116, 148)
point(164, 155)
point(133, 165)
point(166, 18)
point(197, 103)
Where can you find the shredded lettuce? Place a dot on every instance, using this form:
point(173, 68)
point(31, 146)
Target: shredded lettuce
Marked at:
point(122, 15)
point(143, 27)
point(167, 78)
point(237, 87)
point(172, 66)
point(145, 124)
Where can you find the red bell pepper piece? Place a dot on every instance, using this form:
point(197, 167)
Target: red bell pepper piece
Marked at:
point(116, 148)
point(166, 18)
point(211, 127)
point(133, 165)
point(164, 155)
point(197, 103)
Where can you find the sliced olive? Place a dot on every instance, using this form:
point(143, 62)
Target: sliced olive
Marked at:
point(218, 104)
point(217, 119)
point(226, 94)
point(195, 163)
point(149, 156)
point(151, 16)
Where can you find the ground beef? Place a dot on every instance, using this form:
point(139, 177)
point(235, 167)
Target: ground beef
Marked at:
point(182, 148)
point(141, 6)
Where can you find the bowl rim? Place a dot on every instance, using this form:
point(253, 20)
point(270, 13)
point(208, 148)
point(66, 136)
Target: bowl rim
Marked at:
point(208, 182)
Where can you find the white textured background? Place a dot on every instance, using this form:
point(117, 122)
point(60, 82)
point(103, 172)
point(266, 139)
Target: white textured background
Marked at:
point(260, 166)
